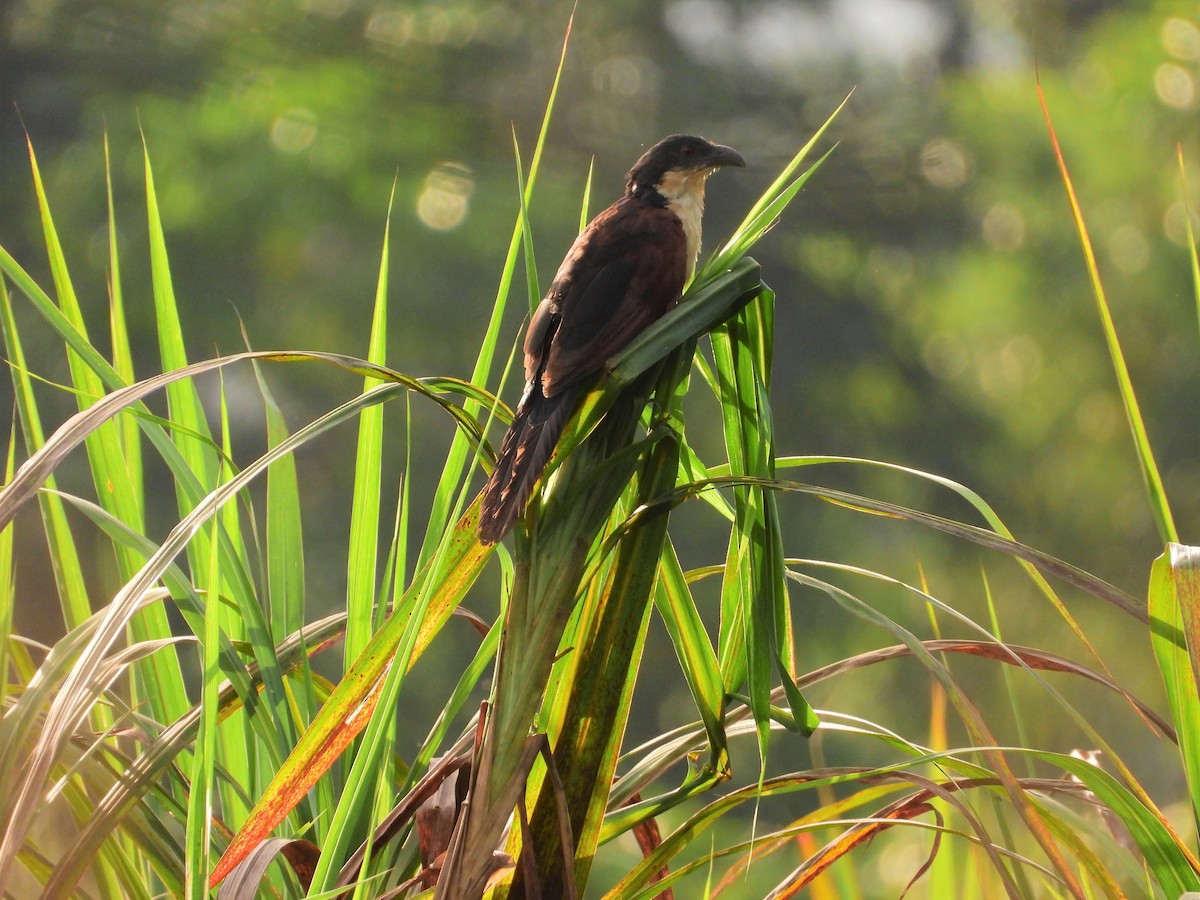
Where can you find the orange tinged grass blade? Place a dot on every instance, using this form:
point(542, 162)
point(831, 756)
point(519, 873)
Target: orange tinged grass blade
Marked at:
point(1141, 441)
point(349, 708)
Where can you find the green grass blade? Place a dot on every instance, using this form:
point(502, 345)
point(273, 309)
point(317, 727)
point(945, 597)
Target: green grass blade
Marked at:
point(200, 799)
point(697, 659)
point(348, 709)
point(1193, 257)
point(122, 352)
point(362, 554)
point(160, 680)
point(1019, 718)
point(403, 507)
point(286, 572)
point(533, 292)
point(1156, 494)
point(363, 551)
point(584, 217)
point(285, 544)
point(242, 621)
point(692, 468)
point(62, 716)
point(771, 204)
point(702, 308)
point(64, 556)
point(8, 595)
point(1164, 855)
point(154, 763)
point(594, 708)
point(35, 470)
point(183, 401)
point(1174, 605)
point(456, 459)
point(129, 446)
point(182, 397)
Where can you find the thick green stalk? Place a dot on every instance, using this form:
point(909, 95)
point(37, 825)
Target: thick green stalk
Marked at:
point(550, 565)
point(554, 560)
point(597, 710)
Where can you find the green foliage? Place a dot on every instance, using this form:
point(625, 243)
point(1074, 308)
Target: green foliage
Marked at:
point(184, 715)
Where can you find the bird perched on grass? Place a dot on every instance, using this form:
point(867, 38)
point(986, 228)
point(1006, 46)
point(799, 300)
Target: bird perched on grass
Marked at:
point(624, 271)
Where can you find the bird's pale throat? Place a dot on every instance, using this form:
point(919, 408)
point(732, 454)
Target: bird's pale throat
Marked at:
point(683, 189)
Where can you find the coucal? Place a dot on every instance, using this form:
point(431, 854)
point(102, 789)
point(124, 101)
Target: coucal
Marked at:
point(624, 271)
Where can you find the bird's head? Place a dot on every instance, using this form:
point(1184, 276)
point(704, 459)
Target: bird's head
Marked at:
point(678, 164)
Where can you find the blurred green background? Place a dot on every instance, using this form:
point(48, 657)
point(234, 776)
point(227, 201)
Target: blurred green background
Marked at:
point(933, 307)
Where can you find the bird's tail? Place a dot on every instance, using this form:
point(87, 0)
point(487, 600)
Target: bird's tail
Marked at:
point(523, 455)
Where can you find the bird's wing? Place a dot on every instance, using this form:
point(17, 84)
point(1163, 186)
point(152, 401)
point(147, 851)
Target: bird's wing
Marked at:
point(623, 273)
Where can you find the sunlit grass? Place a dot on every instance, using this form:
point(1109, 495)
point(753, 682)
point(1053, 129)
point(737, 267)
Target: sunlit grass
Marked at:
point(161, 777)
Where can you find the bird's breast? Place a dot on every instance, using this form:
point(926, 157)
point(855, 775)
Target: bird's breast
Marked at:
point(684, 193)
point(690, 210)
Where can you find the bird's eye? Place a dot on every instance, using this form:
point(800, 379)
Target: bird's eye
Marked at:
point(689, 150)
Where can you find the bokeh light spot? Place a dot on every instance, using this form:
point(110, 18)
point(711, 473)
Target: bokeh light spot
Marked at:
point(431, 25)
point(830, 258)
point(1129, 249)
point(1003, 227)
point(388, 28)
point(945, 355)
point(1175, 86)
point(1181, 38)
point(945, 164)
point(619, 75)
point(1175, 224)
point(295, 130)
point(446, 196)
point(704, 25)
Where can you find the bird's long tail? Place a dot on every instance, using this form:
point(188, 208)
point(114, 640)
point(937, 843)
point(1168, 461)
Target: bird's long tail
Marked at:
point(523, 455)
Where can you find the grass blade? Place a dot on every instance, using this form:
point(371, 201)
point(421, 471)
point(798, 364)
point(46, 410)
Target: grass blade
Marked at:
point(453, 471)
point(34, 472)
point(594, 707)
point(363, 550)
point(1156, 494)
point(770, 205)
point(200, 800)
point(8, 594)
point(1174, 602)
point(122, 352)
point(698, 661)
point(1168, 861)
point(348, 709)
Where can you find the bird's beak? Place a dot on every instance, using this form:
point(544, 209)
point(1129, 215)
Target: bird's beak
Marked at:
point(721, 155)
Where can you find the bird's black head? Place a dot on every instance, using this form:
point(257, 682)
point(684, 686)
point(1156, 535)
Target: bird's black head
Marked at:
point(679, 153)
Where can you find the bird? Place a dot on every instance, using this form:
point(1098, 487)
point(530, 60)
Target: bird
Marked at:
point(625, 270)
